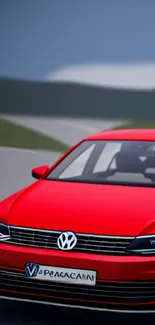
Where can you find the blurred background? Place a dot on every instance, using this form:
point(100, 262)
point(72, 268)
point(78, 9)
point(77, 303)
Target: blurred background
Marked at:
point(68, 69)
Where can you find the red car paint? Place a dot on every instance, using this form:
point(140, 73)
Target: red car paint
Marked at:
point(95, 209)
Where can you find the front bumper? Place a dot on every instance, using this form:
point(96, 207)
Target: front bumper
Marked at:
point(124, 283)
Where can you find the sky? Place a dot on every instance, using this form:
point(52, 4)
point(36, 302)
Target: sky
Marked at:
point(38, 37)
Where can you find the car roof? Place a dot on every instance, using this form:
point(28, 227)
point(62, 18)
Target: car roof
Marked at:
point(124, 134)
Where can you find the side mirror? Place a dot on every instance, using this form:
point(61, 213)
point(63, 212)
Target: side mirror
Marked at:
point(40, 171)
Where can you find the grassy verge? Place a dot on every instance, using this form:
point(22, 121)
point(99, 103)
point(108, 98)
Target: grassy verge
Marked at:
point(14, 135)
point(136, 125)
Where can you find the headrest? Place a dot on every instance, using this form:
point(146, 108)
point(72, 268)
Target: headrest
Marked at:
point(128, 162)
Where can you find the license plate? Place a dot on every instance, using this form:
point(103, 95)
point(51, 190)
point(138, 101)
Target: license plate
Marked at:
point(60, 274)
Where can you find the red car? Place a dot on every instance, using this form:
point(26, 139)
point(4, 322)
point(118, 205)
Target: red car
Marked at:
point(83, 235)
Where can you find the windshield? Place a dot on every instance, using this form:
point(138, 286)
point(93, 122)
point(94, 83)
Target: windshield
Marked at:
point(112, 162)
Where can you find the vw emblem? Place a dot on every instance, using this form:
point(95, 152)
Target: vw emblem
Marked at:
point(31, 269)
point(67, 241)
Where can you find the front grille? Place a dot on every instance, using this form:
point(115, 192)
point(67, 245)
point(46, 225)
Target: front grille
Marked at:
point(137, 292)
point(85, 243)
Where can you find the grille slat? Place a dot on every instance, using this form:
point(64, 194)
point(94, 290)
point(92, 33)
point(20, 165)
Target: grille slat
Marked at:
point(89, 250)
point(30, 235)
point(37, 241)
point(128, 292)
point(107, 244)
point(103, 247)
point(30, 244)
point(99, 289)
point(92, 244)
point(63, 291)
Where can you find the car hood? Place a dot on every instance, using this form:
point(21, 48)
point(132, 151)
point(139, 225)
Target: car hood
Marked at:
point(84, 208)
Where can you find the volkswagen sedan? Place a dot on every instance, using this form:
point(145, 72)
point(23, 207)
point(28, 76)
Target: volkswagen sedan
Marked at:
point(83, 234)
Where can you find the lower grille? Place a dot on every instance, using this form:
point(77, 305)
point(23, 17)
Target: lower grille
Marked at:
point(134, 293)
point(85, 243)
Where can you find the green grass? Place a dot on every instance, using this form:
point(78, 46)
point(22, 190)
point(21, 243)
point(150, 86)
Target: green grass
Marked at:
point(136, 125)
point(14, 135)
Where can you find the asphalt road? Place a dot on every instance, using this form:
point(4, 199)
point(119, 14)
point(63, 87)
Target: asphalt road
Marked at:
point(15, 173)
point(16, 166)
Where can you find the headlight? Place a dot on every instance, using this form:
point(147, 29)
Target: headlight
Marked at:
point(4, 232)
point(143, 245)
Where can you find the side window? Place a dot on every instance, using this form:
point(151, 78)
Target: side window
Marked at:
point(77, 166)
point(106, 157)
